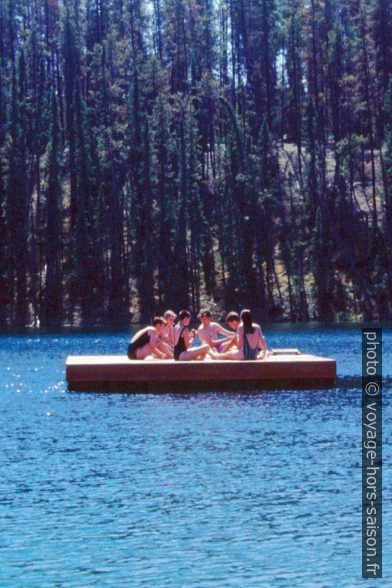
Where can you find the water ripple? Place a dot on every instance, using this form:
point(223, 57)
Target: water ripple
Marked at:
point(181, 491)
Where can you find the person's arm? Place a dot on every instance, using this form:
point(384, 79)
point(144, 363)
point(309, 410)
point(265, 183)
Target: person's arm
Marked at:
point(137, 335)
point(240, 337)
point(230, 344)
point(158, 352)
point(154, 341)
point(263, 344)
point(216, 342)
point(223, 331)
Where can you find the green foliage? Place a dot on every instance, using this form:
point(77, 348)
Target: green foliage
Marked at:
point(179, 152)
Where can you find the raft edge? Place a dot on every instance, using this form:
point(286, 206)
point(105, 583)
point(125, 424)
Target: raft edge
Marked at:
point(203, 386)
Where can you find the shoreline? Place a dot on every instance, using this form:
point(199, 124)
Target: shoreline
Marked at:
point(117, 328)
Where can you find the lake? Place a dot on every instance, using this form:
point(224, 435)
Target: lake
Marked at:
point(202, 490)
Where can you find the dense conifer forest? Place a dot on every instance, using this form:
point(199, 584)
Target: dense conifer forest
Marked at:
point(178, 153)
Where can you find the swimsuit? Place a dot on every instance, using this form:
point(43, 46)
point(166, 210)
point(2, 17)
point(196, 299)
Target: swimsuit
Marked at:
point(140, 342)
point(249, 353)
point(179, 347)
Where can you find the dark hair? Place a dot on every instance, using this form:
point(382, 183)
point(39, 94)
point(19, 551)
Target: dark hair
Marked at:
point(246, 317)
point(184, 314)
point(158, 320)
point(232, 316)
point(205, 312)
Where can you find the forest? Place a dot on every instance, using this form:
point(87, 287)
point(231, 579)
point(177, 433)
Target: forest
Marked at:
point(188, 153)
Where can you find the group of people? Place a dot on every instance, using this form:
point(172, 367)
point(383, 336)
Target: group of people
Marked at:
point(168, 339)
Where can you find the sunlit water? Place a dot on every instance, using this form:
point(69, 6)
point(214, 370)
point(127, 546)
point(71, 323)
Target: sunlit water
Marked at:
point(196, 491)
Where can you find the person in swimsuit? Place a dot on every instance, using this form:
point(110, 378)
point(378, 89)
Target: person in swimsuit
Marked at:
point(250, 338)
point(168, 332)
point(183, 340)
point(209, 331)
point(233, 320)
point(147, 341)
point(250, 341)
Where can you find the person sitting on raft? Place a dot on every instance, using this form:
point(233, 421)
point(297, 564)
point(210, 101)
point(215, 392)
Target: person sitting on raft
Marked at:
point(183, 340)
point(208, 331)
point(147, 341)
point(234, 321)
point(250, 341)
point(168, 332)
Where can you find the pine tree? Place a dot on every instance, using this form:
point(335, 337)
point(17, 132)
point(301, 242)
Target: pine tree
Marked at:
point(52, 302)
point(17, 199)
point(178, 152)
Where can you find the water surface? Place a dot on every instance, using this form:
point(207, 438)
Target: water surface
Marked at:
point(203, 490)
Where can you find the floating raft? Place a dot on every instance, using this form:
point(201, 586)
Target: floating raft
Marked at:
point(117, 373)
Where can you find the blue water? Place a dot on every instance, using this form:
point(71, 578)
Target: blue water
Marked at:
point(191, 491)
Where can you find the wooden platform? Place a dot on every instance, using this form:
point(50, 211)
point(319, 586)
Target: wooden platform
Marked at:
point(118, 373)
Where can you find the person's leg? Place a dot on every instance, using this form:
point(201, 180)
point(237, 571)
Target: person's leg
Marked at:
point(235, 354)
point(228, 346)
point(142, 352)
point(203, 350)
point(166, 349)
point(194, 353)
